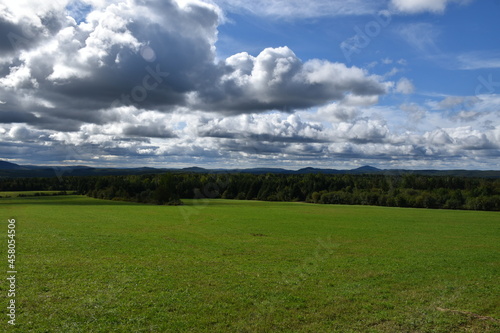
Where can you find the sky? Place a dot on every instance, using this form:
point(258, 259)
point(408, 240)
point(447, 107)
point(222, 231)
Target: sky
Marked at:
point(339, 84)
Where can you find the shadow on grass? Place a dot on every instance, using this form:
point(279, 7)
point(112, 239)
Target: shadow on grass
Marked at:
point(81, 200)
point(70, 200)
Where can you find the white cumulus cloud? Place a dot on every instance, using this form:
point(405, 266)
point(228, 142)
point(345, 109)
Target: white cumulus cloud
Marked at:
point(405, 86)
point(418, 6)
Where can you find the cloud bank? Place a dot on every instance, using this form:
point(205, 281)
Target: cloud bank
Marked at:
point(139, 83)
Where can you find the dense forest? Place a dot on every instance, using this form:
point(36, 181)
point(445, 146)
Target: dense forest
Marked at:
point(408, 190)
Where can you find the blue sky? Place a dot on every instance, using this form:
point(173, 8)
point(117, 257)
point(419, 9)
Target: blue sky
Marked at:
point(227, 83)
point(434, 45)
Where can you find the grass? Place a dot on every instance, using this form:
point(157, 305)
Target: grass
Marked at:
point(88, 265)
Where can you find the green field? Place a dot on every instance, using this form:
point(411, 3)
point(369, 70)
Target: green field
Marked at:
point(88, 265)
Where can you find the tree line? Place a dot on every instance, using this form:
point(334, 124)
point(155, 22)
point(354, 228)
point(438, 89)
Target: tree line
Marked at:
point(407, 190)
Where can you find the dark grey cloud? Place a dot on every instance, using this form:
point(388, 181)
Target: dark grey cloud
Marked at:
point(102, 64)
point(151, 131)
point(8, 117)
point(260, 137)
point(19, 36)
point(13, 38)
point(277, 79)
point(253, 147)
point(24, 27)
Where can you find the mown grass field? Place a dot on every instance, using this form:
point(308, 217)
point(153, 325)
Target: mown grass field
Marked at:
point(88, 265)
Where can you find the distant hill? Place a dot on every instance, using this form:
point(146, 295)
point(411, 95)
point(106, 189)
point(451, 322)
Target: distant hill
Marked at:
point(194, 169)
point(12, 170)
point(366, 169)
point(4, 165)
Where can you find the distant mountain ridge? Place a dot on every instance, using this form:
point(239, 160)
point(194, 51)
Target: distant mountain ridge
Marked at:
point(4, 165)
point(8, 169)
